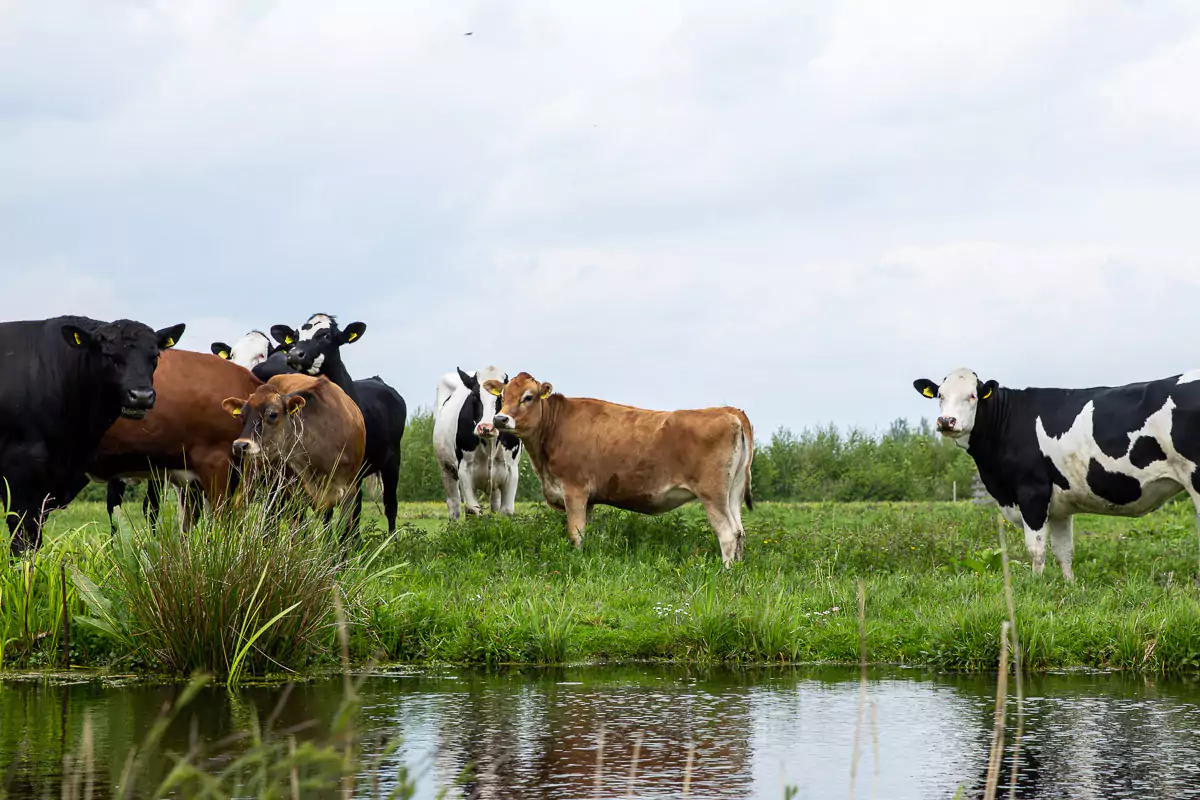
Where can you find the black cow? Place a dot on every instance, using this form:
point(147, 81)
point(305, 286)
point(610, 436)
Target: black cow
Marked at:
point(317, 351)
point(1046, 454)
point(65, 381)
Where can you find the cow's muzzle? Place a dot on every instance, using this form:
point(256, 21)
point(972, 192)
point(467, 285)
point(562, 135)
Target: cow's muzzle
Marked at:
point(945, 426)
point(485, 430)
point(245, 447)
point(503, 422)
point(137, 402)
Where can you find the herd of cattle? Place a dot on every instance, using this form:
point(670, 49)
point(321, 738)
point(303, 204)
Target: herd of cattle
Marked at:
point(114, 402)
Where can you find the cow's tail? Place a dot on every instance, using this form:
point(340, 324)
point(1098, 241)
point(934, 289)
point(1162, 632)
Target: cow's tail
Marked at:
point(748, 446)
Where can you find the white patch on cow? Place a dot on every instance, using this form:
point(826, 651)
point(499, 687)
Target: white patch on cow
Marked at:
point(1073, 452)
point(315, 369)
point(314, 323)
point(1190, 376)
point(251, 350)
point(182, 476)
point(957, 401)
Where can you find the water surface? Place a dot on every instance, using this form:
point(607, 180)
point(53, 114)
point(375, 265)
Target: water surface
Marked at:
point(537, 733)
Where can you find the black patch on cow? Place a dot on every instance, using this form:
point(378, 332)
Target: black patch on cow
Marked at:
point(465, 440)
point(1058, 416)
point(1119, 412)
point(1146, 450)
point(510, 443)
point(1056, 477)
point(1112, 486)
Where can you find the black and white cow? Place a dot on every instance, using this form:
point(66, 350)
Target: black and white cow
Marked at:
point(1046, 454)
point(316, 350)
point(473, 455)
point(64, 382)
point(256, 352)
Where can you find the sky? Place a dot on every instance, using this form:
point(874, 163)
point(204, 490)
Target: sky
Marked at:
point(795, 208)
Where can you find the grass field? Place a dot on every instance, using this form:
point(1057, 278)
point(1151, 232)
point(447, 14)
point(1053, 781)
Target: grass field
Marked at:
point(495, 591)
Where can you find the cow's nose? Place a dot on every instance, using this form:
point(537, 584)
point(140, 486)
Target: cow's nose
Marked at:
point(502, 421)
point(140, 398)
point(484, 429)
point(946, 423)
point(240, 446)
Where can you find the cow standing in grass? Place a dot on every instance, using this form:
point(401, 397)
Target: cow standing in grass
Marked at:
point(63, 383)
point(588, 452)
point(1047, 454)
point(307, 427)
point(316, 349)
point(472, 454)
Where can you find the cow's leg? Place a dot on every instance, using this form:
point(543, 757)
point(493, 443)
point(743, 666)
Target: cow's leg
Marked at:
point(1035, 511)
point(152, 505)
point(112, 500)
point(466, 482)
point(1062, 542)
point(508, 497)
point(723, 525)
point(390, 477)
point(450, 485)
point(576, 503)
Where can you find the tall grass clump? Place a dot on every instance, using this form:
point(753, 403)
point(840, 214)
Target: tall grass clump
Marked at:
point(247, 588)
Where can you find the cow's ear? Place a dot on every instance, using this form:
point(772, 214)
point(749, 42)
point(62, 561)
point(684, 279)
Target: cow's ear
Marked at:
point(986, 389)
point(77, 337)
point(233, 406)
point(469, 381)
point(545, 390)
point(494, 387)
point(294, 402)
point(353, 332)
point(284, 335)
point(221, 349)
point(926, 387)
point(167, 337)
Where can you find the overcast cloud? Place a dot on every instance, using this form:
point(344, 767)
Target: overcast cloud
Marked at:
point(664, 204)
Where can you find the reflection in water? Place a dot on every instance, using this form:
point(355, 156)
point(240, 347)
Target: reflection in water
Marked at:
point(537, 734)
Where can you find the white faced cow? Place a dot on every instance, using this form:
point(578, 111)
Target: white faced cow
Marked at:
point(471, 452)
point(1046, 454)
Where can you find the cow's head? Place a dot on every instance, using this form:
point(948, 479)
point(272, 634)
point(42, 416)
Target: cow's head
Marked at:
point(251, 350)
point(481, 404)
point(317, 342)
point(266, 416)
point(125, 353)
point(958, 398)
point(521, 404)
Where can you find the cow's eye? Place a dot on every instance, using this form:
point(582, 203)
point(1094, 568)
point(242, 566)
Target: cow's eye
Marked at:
point(274, 415)
point(526, 398)
point(972, 397)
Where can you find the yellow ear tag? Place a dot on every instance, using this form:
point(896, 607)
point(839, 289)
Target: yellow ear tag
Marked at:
point(170, 342)
point(927, 392)
point(224, 354)
point(352, 337)
point(287, 340)
point(294, 410)
point(545, 394)
point(496, 392)
point(237, 412)
point(986, 396)
point(78, 340)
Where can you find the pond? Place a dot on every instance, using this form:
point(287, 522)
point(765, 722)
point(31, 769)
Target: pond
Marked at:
point(755, 732)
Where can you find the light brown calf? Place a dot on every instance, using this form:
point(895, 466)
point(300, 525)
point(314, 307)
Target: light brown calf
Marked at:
point(311, 427)
point(589, 452)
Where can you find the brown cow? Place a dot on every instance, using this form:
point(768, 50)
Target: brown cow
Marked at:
point(311, 427)
point(185, 438)
point(590, 451)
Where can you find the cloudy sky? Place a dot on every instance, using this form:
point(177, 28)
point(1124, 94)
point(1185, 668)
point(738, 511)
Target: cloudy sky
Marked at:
point(794, 208)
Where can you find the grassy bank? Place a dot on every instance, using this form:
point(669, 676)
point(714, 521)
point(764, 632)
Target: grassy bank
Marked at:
point(495, 591)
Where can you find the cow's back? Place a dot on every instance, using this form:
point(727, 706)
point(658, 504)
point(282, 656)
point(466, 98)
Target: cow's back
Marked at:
point(334, 431)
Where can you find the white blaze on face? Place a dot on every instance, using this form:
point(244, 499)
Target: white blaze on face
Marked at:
point(315, 323)
point(957, 401)
point(251, 350)
point(491, 403)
